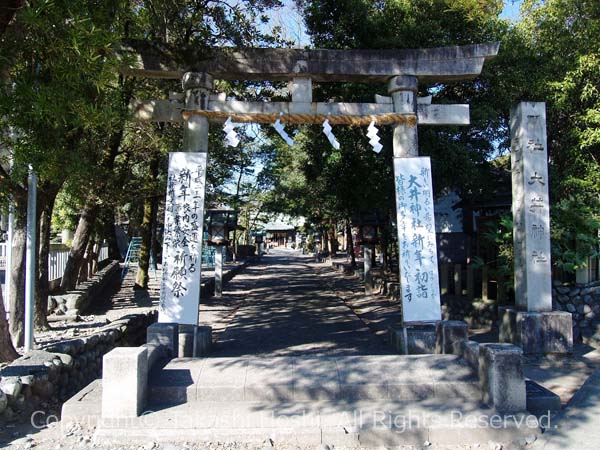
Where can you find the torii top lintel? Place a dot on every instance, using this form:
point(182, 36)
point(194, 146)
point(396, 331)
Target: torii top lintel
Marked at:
point(429, 65)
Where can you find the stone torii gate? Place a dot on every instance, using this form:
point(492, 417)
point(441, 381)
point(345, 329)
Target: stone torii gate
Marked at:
point(402, 70)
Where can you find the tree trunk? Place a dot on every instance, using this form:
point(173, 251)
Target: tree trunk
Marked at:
point(150, 207)
point(94, 264)
point(156, 244)
point(84, 270)
point(350, 243)
point(384, 249)
point(77, 252)
point(333, 242)
point(42, 285)
point(147, 227)
point(8, 9)
point(107, 220)
point(7, 350)
point(91, 208)
point(16, 319)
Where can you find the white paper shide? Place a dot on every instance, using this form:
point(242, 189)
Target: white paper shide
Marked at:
point(416, 239)
point(182, 247)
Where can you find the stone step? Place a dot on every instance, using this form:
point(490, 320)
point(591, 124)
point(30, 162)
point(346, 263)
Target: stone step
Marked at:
point(343, 424)
point(284, 379)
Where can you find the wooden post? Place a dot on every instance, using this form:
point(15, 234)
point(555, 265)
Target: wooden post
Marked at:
point(501, 289)
point(484, 283)
point(458, 279)
point(470, 282)
point(444, 278)
point(368, 257)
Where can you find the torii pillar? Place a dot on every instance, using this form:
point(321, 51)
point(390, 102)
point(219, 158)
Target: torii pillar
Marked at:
point(419, 280)
point(184, 220)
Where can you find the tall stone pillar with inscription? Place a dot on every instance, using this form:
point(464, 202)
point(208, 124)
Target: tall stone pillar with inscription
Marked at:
point(421, 307)
point(532, 324)
point(184, 217)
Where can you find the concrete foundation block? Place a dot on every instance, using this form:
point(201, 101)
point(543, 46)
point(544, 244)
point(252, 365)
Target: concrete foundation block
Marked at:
point(501, 377)
point(420, 339)
point(537, 332)
point(203, 341)
point(124, 382)
point(447, 332)
point(166, 334)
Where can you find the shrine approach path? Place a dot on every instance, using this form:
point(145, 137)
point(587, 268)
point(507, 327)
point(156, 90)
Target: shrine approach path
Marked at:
point(286, 307)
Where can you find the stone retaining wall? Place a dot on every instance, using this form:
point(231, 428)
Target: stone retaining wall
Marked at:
point(43, 379)
point(581, 300)
point(77, 301)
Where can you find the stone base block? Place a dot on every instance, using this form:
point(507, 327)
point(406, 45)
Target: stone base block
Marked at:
point(124, 382)
point(501, 377)
point(537, 332)
point(186, 341)
point(165, 334)
point(420, 339)
point(469, 350)
point(448, 332)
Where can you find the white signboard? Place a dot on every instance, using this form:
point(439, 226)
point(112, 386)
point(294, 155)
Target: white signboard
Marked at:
point(416, 240)
point(182, 246)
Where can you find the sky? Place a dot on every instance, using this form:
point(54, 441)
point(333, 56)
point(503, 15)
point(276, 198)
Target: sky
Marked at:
point(290, 20)
point(511, 9)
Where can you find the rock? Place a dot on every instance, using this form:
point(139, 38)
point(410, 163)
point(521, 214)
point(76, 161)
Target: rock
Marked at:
point(3, 402)
point(65, 359)
point(8, 414)
point(530, 440)
point(28, 380)
point(52, 304)
point(43, 388)
point(587, 309)
point(571, 308)
point(586, 291)
point(11, 386)
point(562, 290)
